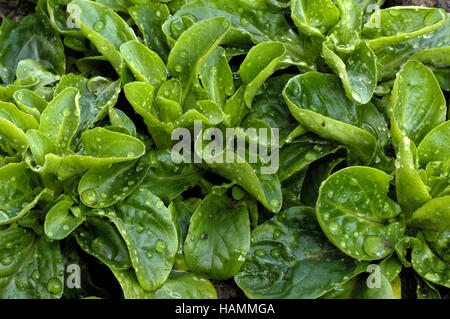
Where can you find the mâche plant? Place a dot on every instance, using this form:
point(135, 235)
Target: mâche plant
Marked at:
point(335, 178)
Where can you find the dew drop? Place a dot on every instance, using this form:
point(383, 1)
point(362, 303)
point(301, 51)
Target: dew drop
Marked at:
point(35, 275)
point(274, 203)
point(276, 234)
point(89, 197)
point(275, 253)
point(333, 227)
point(99, 26)
point(374, 246)
point(160, 246)
point(66, 112)
point(178, 68)
point(6, 261)
point(54, 285)
point(260, 253)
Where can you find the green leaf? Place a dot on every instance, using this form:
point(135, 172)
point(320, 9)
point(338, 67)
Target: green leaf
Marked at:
point(317, 172)
point(343, 291)
point(97, 95)
point(302, 152)
point(434, 147)
point(149, 18)
point(392, 57)
point(145, 64)
point(16, 192)
point(131, 288)
point(24, 121)
point(428, 265)
point(259, 180)
point(179, 285)
point(31, 38)
point(217, 77)
point(119, 119)
point(432, 216)
point(260, 63)
point(168, 99)
point(319, 103)
point(167, 179)
point(149, 231)
point(251, 22)
point(426, 290)
point(345, 36)
point(291, 258)
point(411, 190)
point(314, 18)
point(357, 215)
point(29, 102)
point(384, 291)
point(390, 267)
point(185, 60)
point(185, 285)
point(439, 57)
point(417, 104)
point(98, 147)
point(59, 221)
point(107, 31)
point(392, 25)
point(357, 70)
point(270, 108)
point(31, 266)
point(106, 186)
point(60, 119)
point(182, 210)
point(140, 96)
point(218, 238)
point(101, 239)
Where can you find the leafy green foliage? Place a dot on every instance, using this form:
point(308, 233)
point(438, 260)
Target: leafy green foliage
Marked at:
point(335, 176)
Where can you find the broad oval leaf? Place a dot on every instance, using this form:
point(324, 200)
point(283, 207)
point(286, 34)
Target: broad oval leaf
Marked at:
point(59, 221)
point(31, 266)
point(319, 103)
point(145, 64)
point(218, 238)
point(167, 179)
point(291, 258)
point(31, 38)
point(429, 265)
point(186, 285)
point(60, 119)
point(392, 25)
point(186, 60)
point(149, 18)
point(149, 231)
point(106, 30)
point(101, 239)
point(314, 17)
point(417, 104)
point(410, 189)
point(357, 215)
point(357, 70)
point(105, 186)
point(432, 216)
point(16, 193)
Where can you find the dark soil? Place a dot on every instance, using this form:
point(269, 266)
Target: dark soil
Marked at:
point(15, 9)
